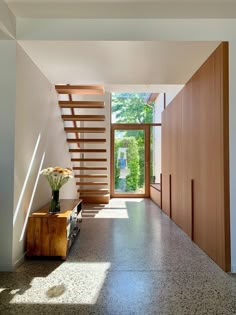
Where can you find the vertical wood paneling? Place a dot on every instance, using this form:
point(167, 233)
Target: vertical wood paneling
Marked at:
point(195, 150)
point(206, 110)
point(165, 158)
point(177, 161)
point(187, 157)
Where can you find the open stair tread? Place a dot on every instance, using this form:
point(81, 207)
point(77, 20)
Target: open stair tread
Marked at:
point(91, 176)
point(91, 183)
point(88, 160)
point(81, 104)
point(83, 117)
point(84, 130)
point(80, 89)
point(86, 140)
point(87, 150)
point(92, 191)
point(89, 168)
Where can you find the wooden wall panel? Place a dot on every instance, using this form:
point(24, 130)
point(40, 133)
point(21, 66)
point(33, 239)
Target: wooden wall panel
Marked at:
point(155, 195)
point(187, 157)
point(206, 180)
point(195, 148)
point(176, 161)
point(165, 158)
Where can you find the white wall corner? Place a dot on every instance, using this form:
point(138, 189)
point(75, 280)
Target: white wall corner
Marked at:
point(7, 22)
point(7, 129)
point(19, 261)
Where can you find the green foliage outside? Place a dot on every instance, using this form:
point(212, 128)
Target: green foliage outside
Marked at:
point(132, 180)
point(139, 136)
point(133, 109)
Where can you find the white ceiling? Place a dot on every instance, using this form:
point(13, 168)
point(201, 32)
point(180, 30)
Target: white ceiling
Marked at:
point(115, 63)
point(120, 1)
point(123, 9)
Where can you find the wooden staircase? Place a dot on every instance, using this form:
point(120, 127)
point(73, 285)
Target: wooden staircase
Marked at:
point(85, 126)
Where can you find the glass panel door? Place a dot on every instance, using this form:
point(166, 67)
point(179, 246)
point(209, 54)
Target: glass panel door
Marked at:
point(129, 162)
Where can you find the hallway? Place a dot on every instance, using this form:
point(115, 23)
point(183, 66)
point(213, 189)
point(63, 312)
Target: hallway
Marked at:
point(130, 258)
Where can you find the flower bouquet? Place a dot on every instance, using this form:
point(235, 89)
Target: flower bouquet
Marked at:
point(57, 177)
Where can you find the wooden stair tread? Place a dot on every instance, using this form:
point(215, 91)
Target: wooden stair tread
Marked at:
point(91, 176)
point(87, 150)
point(93, 191)
point(91, 183)
point(84, 130)
point(81, 104)
point(86, 140)
point(80, 89)
point(88, 160)
point(96, 199)
point(93, 194)
point(83, 117)
point(89, 168)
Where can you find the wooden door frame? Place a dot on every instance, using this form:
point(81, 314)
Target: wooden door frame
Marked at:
point(146, 129)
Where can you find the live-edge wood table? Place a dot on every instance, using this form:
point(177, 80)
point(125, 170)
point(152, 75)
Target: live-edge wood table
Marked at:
point(53, 234)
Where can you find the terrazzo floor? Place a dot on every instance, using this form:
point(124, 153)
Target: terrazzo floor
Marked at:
point(129, 258)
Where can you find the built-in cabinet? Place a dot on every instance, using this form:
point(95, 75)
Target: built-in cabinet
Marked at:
point(195, 168)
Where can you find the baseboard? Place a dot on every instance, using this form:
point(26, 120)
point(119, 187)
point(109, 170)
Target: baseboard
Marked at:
point(233, 269)
point(19, 261)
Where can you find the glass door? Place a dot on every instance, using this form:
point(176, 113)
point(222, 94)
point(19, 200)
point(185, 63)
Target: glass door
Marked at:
point(130, 160)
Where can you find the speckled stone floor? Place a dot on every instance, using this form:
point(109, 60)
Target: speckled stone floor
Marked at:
point(129, 259)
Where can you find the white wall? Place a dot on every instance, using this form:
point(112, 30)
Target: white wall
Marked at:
point(7, 22)
point(40, 141)
point(7, 116)
point(232, 145)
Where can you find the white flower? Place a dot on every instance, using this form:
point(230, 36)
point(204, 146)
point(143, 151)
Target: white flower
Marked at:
point(57, 176)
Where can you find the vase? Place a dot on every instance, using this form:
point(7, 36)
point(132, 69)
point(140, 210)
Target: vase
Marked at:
point(55, 203)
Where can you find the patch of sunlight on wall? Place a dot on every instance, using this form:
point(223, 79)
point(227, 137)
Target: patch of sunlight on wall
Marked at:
point(26, 179)
point(32, 198)
point(82, 283)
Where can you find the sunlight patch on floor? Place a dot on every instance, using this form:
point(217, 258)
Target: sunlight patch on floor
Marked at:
point(106, 213)
point(79, 286)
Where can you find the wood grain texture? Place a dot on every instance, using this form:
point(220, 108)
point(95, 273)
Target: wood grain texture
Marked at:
point(89, 168)
point(88, 160)
point(87, 151)
point(155, 195)
point(165, 161)
point(86, 140)
point(195, 147)
point(91, 176)
point(81, 104)
point(84, 130)
point(96, 199)
point(91, 183)
point(101, 191)
point(47, 233)
point(80, 89)
point(83, 117)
